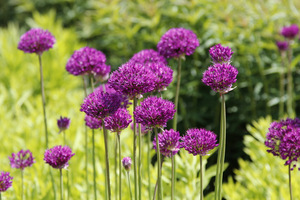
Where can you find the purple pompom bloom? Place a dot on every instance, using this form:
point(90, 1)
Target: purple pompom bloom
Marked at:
point(220, 54)
point(63, 123)
point(93, 123)
point(148, 56)
point(290, 32)
point(58, 156)
point(199, 141)
point(85, 60)
point(282, 45)
point(36, 40)
point(169, 142)
point(21, 160)
point(154, 112)
point(118, 121)
point(101, 104)
point(163, 75)
point(5, 181)
point(127, 163)
point(132, 80)
point(220, 77)
point(177, 42)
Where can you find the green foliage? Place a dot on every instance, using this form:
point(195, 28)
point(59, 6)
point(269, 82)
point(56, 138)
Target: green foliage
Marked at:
point(266, 176)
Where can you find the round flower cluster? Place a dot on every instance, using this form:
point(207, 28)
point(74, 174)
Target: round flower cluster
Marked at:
point(282, 45)
point(169, 142)
point(36, 40)
point(199, 141)
point(220, 77)
point(283, 140)
point(5, 181)
point(290, 32)
point(127, 163)
point(132, 80)
point(63, 123)
point(118, 121)
point(154, 112)
point(163, 75)
point(58, 156)
point(93, 123)
point(21, 160)
point(177, 42)
point(87, 60)
point(148, 56)
point(220, 54)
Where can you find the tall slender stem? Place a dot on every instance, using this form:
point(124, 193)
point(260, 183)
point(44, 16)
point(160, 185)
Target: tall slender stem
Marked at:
point(177, 93)
point(116, 166)
point(281, 86)
point(128, 177)
point(173, 178)
point(0, 196)
point(290, 183)
point(94, 164)
point(120, 167)
point(61, 185)
point(201, 179)
point(156, 184)
point(159, 193)
point(290, 100)
point(149, 163)
point(106, 161)
point(22, 182)
point(140, 160)
point(134, 152)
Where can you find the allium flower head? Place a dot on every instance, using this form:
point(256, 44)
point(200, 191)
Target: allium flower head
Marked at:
point(132, 79)
point(144, 129)
point(101, 104)
point(163, 75)
point(93, 123)
point(220, 54)
point(127, 163)
point(220, 77)
point(85, 60)
point(36, 40)
point(101, 72)
point(283, 140)
point(282, 45)
point(58, 156)
point(290, 32)
point(118, 121)
point(5, 181)
point(21, 160)
point(199, 141)
point(154, 112)
point(177, 42)
point(148, 56)
point(63, 123)
point(169, 142)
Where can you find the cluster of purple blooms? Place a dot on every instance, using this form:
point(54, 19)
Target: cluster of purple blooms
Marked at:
point(5, 181)
point(283, 140)
point(58, 156)
point(289, 33)
point(118, 121)
point(21, 160)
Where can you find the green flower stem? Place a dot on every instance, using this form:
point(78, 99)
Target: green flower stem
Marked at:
point(290, 183)
point(120, 167)
point(159, 193)
point(0, 196)
point(86, 145)
point(134, 152)
point(156, 185)
point(116, 166)
point(61, 184)
point(106, 161)
point(201, 179)
point(177, 93)
point(173, 178)
point(128, 177)
point(149, 163)
point(281, 86)
point(94, 164)
point(221, 151)
point(140, 160)
point(290, 100)
point(22, 184)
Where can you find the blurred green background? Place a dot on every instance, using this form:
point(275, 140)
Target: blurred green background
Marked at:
point(120, 28)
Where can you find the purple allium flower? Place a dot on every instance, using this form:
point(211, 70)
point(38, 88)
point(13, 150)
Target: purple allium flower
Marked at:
point(282, 45)
point(132, 79)
point(101, 104)
point(93, 123)
point(220, 54)
point(101, 72)
point(220, 77)
point(144, 129)
point(63, 123)
point(154, 112)
point(118, 121)
point(5, 181)
point(126, 163)
point(290, 32)
point(169, 142)
point(177, 42)
point(148, 56)
point(36, 40)
point(108, 88)
point(163, 73)
point(58, 156)
point(283, 140)
point(21, 160)
point(85, 60)
point(199, 141)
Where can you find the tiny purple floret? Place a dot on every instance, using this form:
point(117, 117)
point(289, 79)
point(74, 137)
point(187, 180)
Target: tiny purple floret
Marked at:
point(63, 123)
point(127, 163)
point(21, 160)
